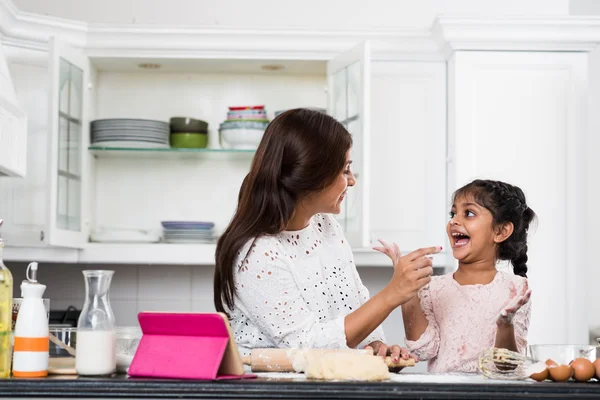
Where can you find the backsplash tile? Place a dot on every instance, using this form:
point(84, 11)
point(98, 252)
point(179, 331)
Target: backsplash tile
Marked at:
point(205, 305)
point(202, 283)
point(63, 281)
point(124, 285)
point(125, 311)
point(157, 282)
point(165, 305)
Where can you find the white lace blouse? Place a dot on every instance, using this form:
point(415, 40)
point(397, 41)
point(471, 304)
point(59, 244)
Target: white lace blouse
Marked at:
point(294, 289)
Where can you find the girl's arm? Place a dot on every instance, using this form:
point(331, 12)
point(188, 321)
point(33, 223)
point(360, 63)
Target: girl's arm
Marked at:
point(505, 337)
point(513, 323)
point(420, 326)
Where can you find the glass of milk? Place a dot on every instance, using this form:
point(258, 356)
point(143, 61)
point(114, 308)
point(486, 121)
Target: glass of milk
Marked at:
point(96, 330)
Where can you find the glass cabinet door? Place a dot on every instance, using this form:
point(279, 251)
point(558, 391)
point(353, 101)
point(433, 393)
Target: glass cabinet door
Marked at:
point(69, 70)
point(349, 89)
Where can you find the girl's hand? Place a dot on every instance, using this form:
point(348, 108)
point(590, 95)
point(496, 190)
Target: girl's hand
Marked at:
point(395, 352)
point(411, 272)
point(513, 304)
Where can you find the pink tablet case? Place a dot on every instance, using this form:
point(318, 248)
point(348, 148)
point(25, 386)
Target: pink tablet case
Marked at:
point(186, 346)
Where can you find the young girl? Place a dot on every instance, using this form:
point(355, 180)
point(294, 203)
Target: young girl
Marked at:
point(459, 315)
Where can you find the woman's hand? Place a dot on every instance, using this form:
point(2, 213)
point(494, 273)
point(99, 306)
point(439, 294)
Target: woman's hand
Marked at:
point(411, 272)
point(395, 352)
point(513, 304)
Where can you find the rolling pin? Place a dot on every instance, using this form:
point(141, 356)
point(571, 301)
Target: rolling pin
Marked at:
point(294, 360)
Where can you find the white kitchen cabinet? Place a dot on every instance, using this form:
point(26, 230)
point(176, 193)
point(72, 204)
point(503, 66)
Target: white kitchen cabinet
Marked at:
point(68, 158)
point(393, 100)
point(349, 78)
point(49, 206)
point(136, 189)
point(408, 151)
point(520, 117)
point(13, 126)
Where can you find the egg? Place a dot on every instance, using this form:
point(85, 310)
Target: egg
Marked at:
point(597, 366)
point(583, 369)
point(551, 363)
point(561, 373)
point(538, 372)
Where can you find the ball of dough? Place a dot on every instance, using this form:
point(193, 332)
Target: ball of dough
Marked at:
point(347, 366)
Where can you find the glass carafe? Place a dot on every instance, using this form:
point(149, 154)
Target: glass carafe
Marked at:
point(96, 334)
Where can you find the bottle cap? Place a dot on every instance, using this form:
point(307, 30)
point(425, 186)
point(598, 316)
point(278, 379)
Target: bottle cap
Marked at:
point(31, 276)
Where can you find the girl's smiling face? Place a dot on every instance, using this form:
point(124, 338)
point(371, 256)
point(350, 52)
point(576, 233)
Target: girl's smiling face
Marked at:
point(471, 231)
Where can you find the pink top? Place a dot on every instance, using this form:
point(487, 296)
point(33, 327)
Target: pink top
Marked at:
point(462, 321)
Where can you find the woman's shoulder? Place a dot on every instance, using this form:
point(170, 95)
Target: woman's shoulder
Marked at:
point(327, 224)
point(265, 249)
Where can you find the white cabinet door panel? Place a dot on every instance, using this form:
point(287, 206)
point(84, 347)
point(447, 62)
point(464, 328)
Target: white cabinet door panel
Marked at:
point(520, 117)
point(408, 152)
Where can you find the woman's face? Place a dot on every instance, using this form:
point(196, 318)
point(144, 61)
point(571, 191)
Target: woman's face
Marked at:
point(329, 200)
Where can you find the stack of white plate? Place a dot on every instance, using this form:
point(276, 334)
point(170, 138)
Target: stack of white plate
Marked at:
point(188, 231)
point(129, 132)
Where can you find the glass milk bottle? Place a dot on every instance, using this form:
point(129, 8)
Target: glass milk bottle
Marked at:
point(95, 352)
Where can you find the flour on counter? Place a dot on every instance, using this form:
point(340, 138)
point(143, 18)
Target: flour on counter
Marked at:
point(448, 378)
point(407, 378)
point(281, 375)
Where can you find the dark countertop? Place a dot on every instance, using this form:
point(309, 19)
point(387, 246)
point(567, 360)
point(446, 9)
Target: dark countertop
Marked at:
point(287, 388)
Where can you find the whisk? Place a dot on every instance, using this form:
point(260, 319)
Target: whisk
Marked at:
point(498, 363)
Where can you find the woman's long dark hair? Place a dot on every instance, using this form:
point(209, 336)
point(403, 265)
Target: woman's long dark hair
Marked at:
point(506, 203)
point(301, 152)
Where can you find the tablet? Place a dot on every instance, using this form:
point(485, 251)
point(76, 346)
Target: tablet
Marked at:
point(186, 346)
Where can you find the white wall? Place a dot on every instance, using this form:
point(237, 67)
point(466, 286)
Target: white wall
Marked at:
point(328, 14)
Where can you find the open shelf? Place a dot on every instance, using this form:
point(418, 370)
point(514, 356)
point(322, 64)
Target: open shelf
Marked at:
point(130, 152)
point(165, 254)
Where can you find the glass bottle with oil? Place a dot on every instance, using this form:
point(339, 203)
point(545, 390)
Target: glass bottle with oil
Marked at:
point(6, 294)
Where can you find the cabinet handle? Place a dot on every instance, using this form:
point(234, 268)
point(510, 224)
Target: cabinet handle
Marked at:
point(42, 236)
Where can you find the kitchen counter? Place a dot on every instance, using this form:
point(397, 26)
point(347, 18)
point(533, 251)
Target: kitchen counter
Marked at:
point(295, 386)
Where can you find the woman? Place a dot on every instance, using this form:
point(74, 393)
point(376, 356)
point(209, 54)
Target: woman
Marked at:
point(284, 274)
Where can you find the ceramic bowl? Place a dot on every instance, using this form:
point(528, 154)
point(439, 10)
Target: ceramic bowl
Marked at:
point(188, 125)
point(189, 140)
point(241, 139)
point(254, 124)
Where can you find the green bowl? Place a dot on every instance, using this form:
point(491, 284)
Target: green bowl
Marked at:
point(188, 125)
point(189, 140)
